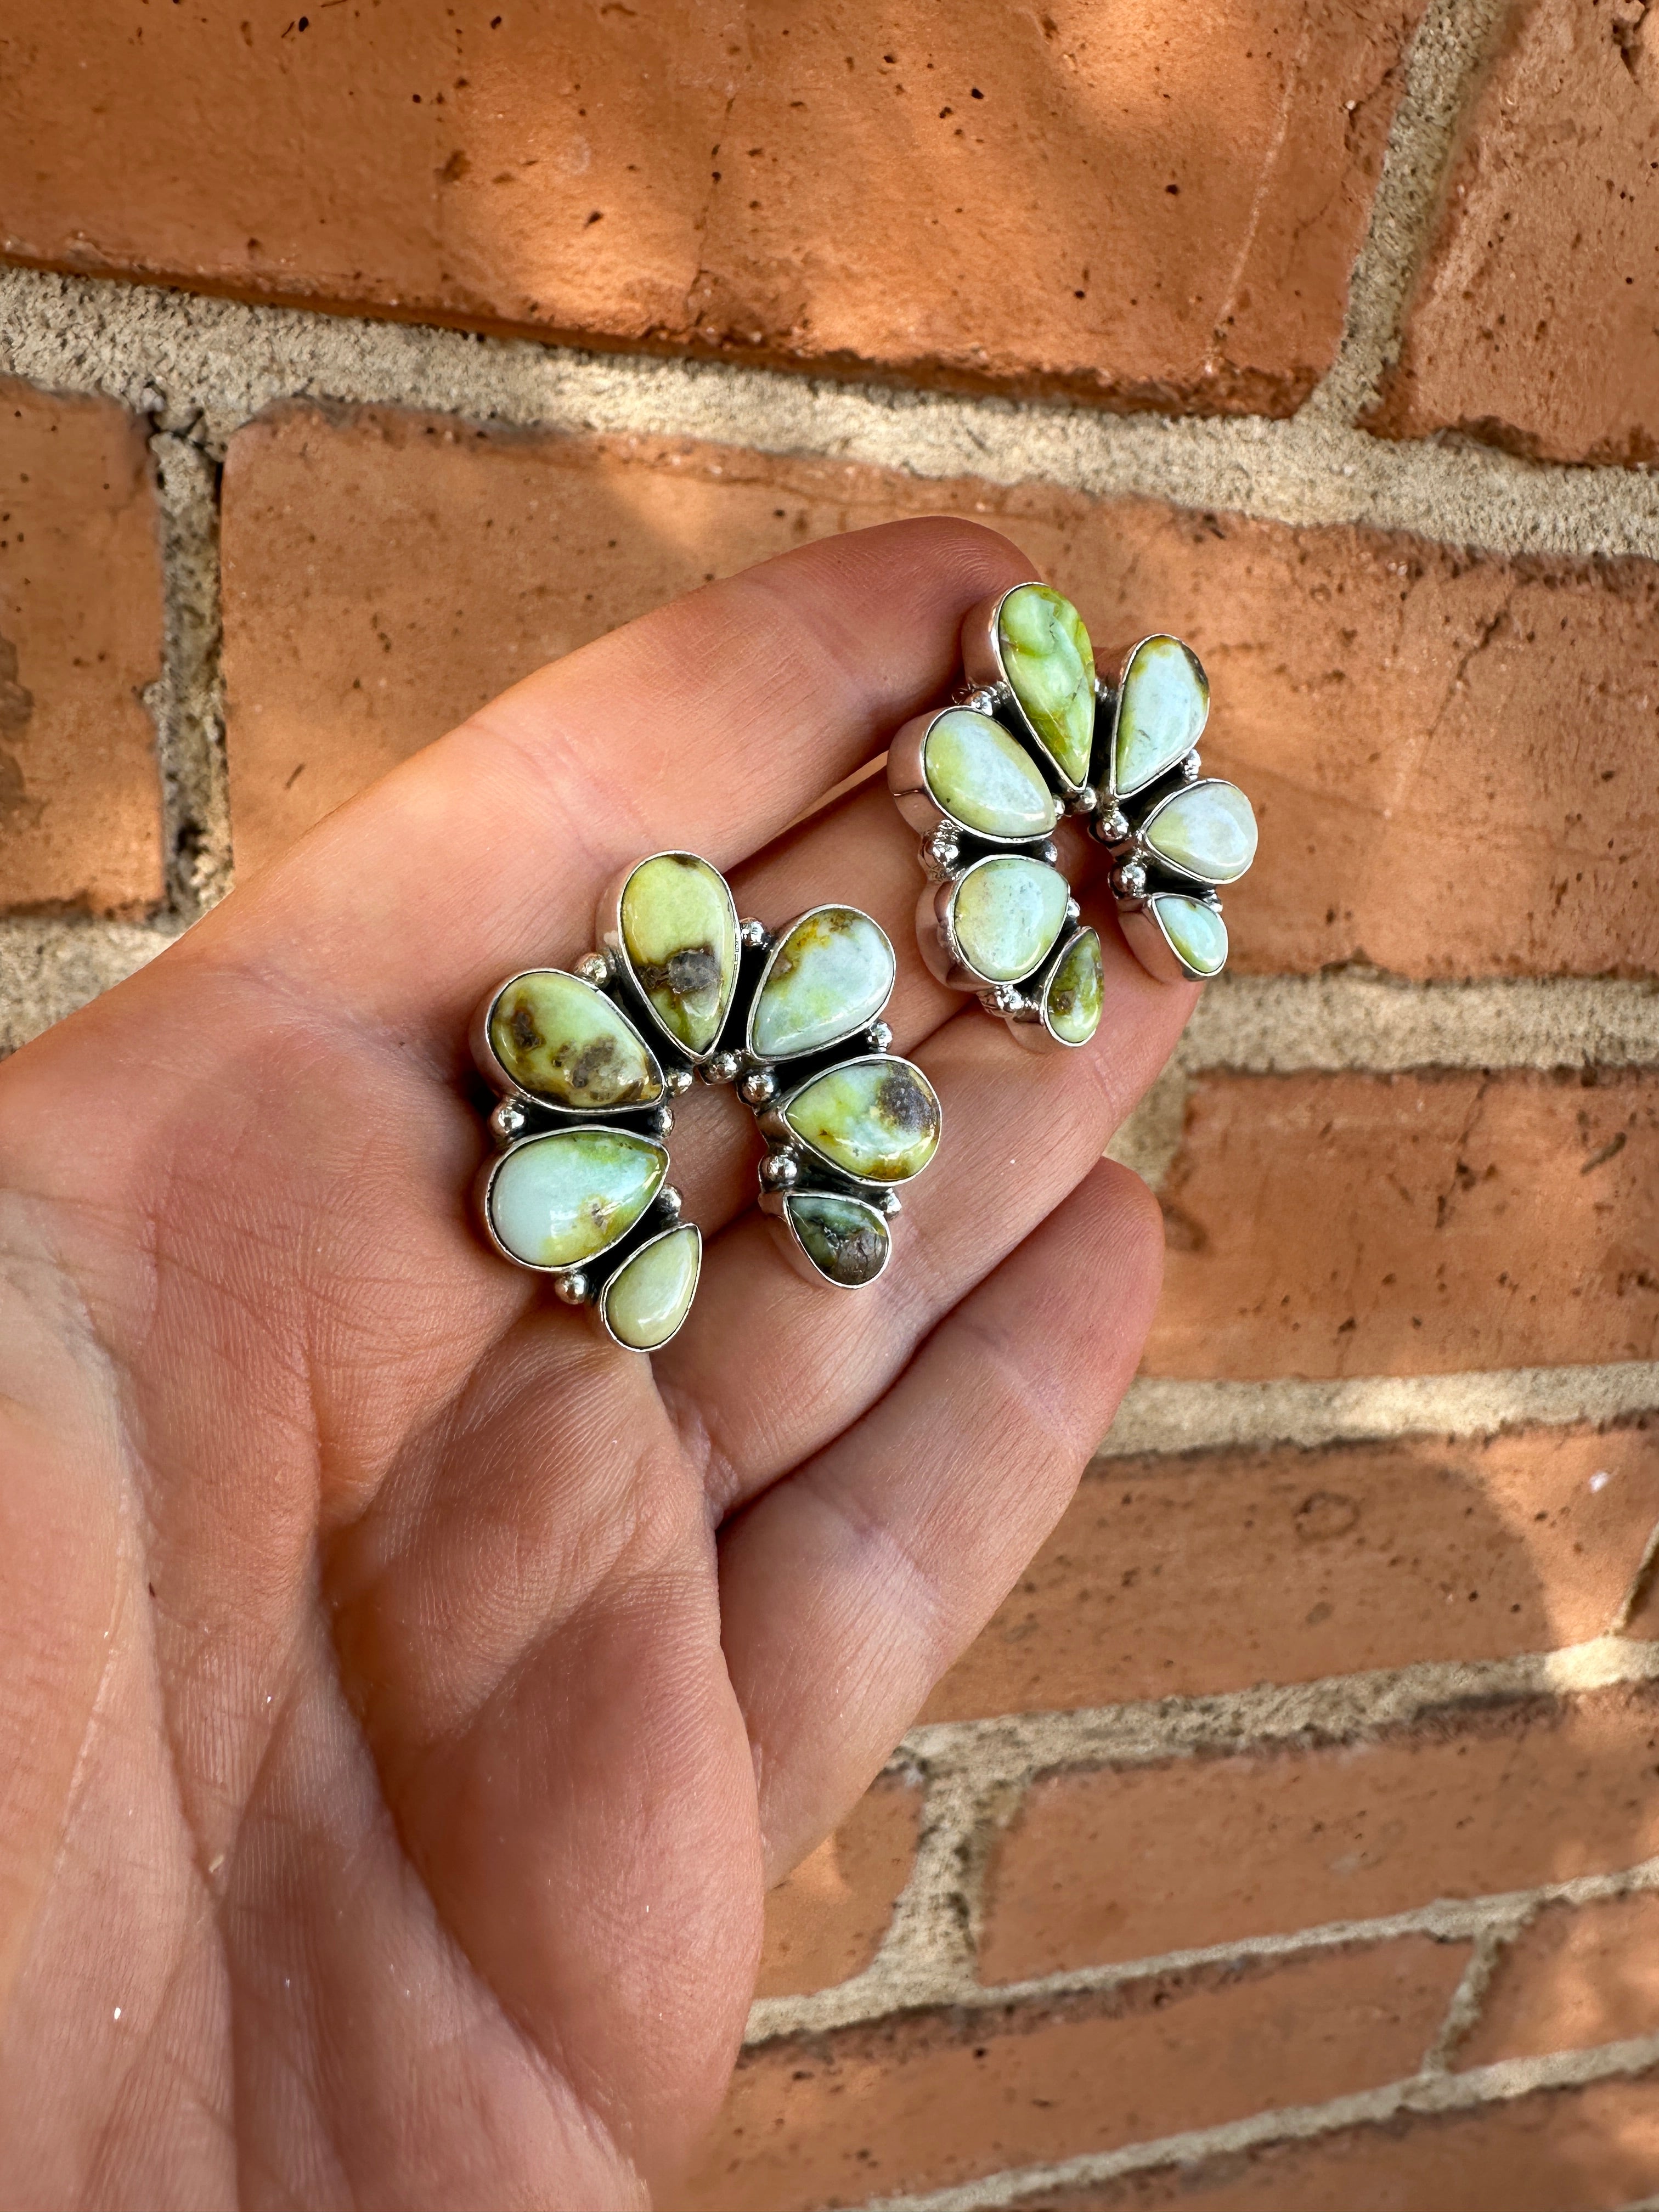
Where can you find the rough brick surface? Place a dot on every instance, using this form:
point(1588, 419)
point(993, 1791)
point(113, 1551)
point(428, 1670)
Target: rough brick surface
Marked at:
point(1576, 1977)
point(80, 637)
point(1402, 1223)
point(1391, 706)
point(1533, 321)
point(993, 196)
point(1304, 1563)
point(1594, 2149)
point(924, 2102)
point(1137, 1863)
point(825, 1922)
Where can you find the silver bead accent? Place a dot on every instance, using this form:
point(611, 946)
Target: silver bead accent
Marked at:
point(677, 1081)
point(758, 1088)
point(670, 1202)
point(779, 1171)
point(890, 1203)
point(1111, 828)
point(508, 1121)
point(571, 1287)
point(753, 933)
point(594, 967)
point(722, 1068)
point(880, 1036)
point(1050, 852)
point(1191, 768)
point(1130, 880)
point(1073, 912)
point(1083, 801)
point(662, 1122)
point(1006, 999)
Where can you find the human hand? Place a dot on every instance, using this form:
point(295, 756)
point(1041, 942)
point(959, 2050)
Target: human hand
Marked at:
point(405, 1695)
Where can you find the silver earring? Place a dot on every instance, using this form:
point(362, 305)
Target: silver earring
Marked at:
point(586, 1061)
point(1033, 734)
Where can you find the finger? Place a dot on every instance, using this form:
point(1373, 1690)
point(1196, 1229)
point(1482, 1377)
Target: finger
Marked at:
point(709, 725)
point(769, 1367)
point(847, 1590)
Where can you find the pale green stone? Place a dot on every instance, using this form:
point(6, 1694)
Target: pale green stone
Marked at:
point(651, 1293)
point(1195, 929)
point(1162, 710)
point(560, 1039)
point(560, 1199)
point(828, 978)
point(1047, 658)
point(1207, 830)
point(680, 929)
point(844, 1239)
point(1007, 913)
point(1076, 990)
point(877, 1119)
point(984, 778)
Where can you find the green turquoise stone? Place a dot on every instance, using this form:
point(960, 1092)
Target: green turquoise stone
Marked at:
point(1076, 990)
point(1049, 661)
point(877, 1119)
point(828, 978)
point(1007, 913)
point(1207, 830)
point(984, 778)
point(1195, 929)
point(845, 1239)
point(560, 1039)
point(560, 1201)
point(651, 1293)
point(679, 929)
point(1162, 710)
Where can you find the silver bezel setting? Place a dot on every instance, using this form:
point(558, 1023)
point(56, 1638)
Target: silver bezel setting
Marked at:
point(779, 1132)
point(602, 1303)
point(920, 804)
point(983, 669)
point(772, 944)
point(616, 949)
point(488, 1065)
point(492, 1168)
point(941, 947)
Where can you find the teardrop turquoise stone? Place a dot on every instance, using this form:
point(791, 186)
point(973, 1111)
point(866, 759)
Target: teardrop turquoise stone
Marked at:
point(984, 779)
point(845, 1239)
point(1050, 664)
point(1076, 993)
point(680, 929)
point(877, 1119)
point(1195, 929)
point(560, 1199)
point(1006, 913)
point(1207, 830)
point(651, 1293)
point(828, 979)
point(1162, 710)
point(560, 1039)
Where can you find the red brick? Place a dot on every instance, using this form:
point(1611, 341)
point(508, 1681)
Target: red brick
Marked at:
point(1140, 1862)
point(1390, 705)
point(1304, 1563)
point(1534, 320)
point(1577, 1976)
point(1560, 2150)
point(925, 2101)
point(984, 196)
point(80, 638)
point(825, 1922)
point(1400, 1224)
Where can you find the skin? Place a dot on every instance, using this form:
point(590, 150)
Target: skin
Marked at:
point(406, 1696)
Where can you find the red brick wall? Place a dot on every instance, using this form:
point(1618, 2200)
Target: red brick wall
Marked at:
point(1290, 1838)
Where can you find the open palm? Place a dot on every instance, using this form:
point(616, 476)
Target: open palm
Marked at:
point(405, 1695)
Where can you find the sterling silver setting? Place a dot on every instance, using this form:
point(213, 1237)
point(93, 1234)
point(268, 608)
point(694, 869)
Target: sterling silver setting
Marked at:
point(1032, 733)
point(586, 1062)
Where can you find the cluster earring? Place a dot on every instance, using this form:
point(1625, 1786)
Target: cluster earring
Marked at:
point(1032, 733)
point(586, 1062)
